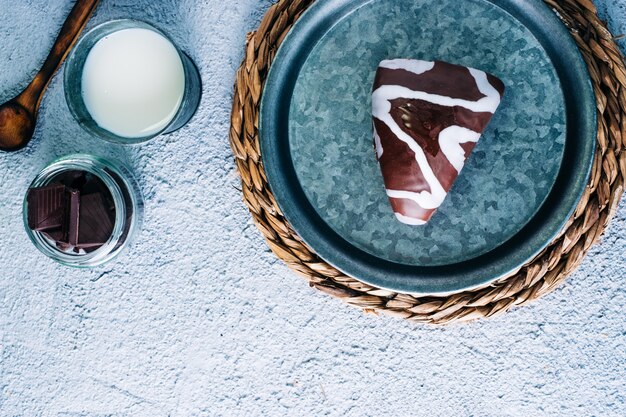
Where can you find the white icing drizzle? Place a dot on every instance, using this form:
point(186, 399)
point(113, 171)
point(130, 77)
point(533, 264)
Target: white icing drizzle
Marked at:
point(485, 87)
point(487, 104)
point(407, 195)
point(412, 221)
point(413, 65)
point(450, 140)
point(381, 109)
point(379, 146)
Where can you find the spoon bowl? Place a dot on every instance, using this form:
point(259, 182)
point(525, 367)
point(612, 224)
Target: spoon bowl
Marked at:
point(17, 125)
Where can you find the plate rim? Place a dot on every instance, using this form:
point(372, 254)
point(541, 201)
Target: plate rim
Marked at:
point(508, 257)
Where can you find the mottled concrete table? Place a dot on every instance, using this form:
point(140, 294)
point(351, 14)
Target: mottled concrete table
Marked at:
point(201, 319)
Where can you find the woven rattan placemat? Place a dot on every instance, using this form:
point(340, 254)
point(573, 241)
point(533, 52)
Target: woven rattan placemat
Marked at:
point(540, 276)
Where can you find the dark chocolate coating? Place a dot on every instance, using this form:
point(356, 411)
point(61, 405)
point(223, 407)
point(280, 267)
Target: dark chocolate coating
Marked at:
point(423, 120)
point(445, 80)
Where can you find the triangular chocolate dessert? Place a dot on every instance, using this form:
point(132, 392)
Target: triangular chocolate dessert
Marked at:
point(428, 117)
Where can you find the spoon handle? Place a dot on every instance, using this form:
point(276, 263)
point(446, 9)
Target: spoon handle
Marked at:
point(73, 26)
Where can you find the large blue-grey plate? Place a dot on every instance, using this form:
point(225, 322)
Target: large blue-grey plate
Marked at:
point(518, 187)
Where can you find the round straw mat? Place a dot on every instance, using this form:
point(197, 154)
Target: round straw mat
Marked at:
point(535, 279)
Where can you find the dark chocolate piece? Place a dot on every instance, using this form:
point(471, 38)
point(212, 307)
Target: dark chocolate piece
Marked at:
point(94, 185)
point(73, 179)
point(46, 207)
point(129, 208)
point(59, 237)
point(427, 118)
point(73, 218)
point(96, 222)
point(76, 212)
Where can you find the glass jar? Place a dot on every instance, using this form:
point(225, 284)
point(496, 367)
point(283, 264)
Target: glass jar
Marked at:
point(127, 200)
point(74, 88)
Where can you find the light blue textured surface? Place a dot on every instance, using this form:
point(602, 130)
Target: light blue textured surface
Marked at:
point(511, 170)
point(200, 319)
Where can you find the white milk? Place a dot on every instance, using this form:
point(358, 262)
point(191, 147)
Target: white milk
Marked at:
point(133, 82)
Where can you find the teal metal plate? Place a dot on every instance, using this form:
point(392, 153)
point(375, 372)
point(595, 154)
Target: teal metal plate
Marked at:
point(517, 189)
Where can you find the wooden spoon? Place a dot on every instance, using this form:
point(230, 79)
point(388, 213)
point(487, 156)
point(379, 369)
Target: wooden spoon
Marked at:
point(19, 115)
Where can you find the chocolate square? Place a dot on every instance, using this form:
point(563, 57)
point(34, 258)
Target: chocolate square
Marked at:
point(96, 221)
point(47, 207)
point(73, 218)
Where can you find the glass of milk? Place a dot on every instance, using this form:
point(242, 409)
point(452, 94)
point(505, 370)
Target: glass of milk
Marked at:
point(127, 82)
